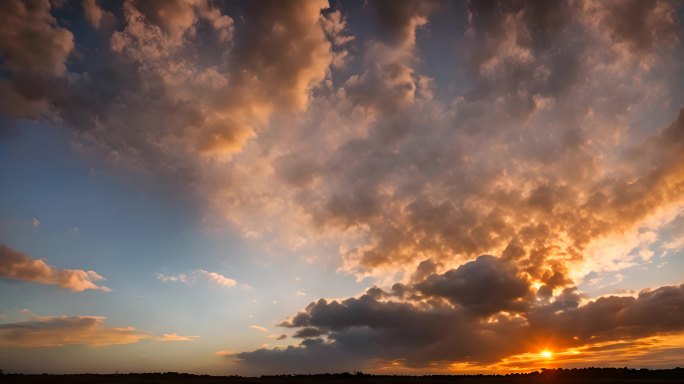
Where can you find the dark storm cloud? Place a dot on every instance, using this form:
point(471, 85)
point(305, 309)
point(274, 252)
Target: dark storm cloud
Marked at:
point(485, 286)
point(305, 333)
point(515, 51)
point(372, 329)
point(402, 17)
point(423, 333)
point(34, 52)
point(321, 357)
point(612, 318)
point(640, 24)
point(31, 42)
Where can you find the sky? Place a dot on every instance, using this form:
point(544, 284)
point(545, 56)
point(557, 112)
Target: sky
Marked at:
point(402, 187)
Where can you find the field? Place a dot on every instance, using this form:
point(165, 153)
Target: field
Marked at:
point(550, 376)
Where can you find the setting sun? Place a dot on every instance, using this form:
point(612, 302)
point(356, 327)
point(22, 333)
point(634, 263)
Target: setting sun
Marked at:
point(546, 354)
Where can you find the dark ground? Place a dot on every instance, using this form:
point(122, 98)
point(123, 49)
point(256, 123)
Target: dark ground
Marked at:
point(550, 376)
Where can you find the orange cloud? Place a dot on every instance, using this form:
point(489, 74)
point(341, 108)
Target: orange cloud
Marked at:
point(259, 328)
point(56, 331)
point(410, 327)
point(174, 337)
point(18, 266)
point(65, 330)
point(32, 44)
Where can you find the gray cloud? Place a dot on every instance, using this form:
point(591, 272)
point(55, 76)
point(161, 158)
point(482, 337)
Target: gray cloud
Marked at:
point(231, 109)
point(401, 18)
point(425, 332)
point(34, 52)
point(485, 286)
point(32, 42)
point(640, 24)
point(611, 318)
point(93, 12)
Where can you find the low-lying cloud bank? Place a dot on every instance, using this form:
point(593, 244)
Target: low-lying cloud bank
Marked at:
point(91, 331)
point(66, 330)
point(478, 314)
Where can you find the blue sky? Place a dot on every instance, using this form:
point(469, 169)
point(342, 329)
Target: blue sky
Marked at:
point(227, 187)
point(92, 218)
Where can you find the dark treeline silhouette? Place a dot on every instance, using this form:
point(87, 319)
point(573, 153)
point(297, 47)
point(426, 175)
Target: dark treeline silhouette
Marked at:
point(545, 376)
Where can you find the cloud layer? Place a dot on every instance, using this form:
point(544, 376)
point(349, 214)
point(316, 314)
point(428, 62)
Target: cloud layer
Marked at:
point(18, 266)
point(436, 322)
point(91, 331)
point(214, 277)
point(66, 330)
point(552, 138)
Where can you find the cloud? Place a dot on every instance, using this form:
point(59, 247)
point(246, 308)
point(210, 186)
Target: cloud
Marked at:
point(181, 278)
point(402, 18)
point(91, 331)
point(550, 138)
point(639, 24)
point(213, 277)
point(166, 337)
point(225, 353)
point(305, 333)
point(65, 330)
point(218, 278)
point(18, 266)
point(31, 25)
point(259, 328)
point(291, 148)
point(612, 318)
point(34, 52)
point(420, 330)
point(181, 69)
point(93, 12)
point(321, 358)
point(487, 285)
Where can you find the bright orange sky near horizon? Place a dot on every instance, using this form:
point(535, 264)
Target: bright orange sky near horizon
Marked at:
point(291, 186)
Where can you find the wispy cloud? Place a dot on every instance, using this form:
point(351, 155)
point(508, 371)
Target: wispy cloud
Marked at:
point(213, 277)
point(259, 328)
point(56, 331)
point(166, 337)
point(217, 278)
point(181, 278)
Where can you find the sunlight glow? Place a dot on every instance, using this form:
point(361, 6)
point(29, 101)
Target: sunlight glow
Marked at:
point(546, 354)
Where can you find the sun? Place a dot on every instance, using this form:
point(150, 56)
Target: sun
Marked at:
point(546, 354)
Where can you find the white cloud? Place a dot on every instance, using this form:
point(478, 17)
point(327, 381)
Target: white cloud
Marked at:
point(259, 328)
point(217, 278)
point(166, 337)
